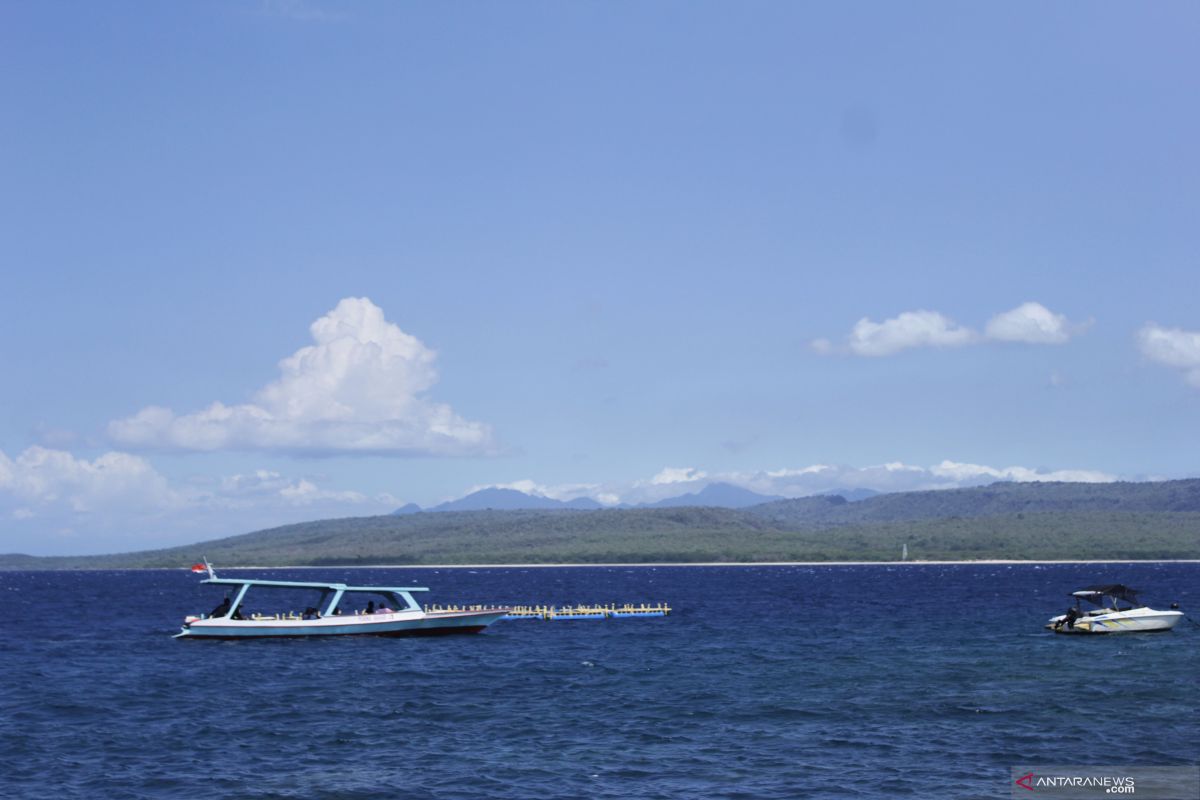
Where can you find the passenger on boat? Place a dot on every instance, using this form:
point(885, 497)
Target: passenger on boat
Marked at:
point(370, 608)
point(222, 609)
point(1068, 620)
point(383, 609)
point(311, 613)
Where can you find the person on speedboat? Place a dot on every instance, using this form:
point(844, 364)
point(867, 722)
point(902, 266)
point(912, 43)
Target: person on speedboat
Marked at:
point(1068, 620)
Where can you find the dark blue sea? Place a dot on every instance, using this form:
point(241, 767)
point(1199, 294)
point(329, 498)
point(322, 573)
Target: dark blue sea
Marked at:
point(765, 682)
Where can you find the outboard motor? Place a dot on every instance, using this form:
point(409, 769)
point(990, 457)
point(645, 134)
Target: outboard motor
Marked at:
point(1072, 615)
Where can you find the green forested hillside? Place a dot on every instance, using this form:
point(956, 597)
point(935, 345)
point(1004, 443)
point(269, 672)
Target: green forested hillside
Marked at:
point(1018, 521)
point(998, 499)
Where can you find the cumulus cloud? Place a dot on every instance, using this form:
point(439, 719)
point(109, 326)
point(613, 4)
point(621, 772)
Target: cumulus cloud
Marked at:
point(972, 473)
point(1030, 323)
point(55, 500)
point(266, 484)
point(359, 389)
point(1172, 347)
point(114, 481)
point(40, 480)
point(910, 329)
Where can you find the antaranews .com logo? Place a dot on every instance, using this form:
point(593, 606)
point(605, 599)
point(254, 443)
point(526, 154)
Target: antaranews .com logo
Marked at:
point(1083, 783)
point(1111, 784)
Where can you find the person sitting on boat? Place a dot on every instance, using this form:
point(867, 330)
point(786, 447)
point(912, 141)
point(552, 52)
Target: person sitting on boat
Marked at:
point(370, 608)
point(222, 609)
point(311, 613)
point(1069, 619)
point(383, 609)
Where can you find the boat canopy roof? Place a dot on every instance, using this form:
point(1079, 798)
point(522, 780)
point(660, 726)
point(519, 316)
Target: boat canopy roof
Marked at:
point(1116, 591)
point(333, 587)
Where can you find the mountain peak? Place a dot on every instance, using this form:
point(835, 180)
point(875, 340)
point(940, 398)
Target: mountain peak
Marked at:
point(495, 498)
point(724, 495)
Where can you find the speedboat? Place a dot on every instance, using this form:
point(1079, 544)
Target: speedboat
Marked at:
point(1109, 615)
point(397, 614)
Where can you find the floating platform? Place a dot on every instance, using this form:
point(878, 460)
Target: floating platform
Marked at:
point(566, 612)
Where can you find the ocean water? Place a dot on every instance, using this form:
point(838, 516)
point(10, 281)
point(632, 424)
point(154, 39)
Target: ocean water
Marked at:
point(765, 682)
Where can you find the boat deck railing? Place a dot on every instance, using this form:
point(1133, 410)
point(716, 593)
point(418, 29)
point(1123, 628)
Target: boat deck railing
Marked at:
point(544, 612)
point(548, 612)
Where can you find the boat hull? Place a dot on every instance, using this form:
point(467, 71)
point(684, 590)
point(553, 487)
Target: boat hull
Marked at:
point(388, 625)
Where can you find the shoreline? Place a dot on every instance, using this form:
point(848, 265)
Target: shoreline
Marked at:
point(656, 564)
point(633, 564)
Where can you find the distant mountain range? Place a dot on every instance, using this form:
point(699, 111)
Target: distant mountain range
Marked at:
point(493, 499)
point(1035, 521)
point(994, 500)
point(714, 495)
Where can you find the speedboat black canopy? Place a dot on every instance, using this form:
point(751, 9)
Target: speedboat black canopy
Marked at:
point(1117, 591)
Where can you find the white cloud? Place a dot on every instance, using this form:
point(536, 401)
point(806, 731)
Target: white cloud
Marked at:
point(564, 491)
point(57, 501)
point(910, 329)
point(120, 483)
point(1031, 323)
point(969, 473)
point(788, 472)
point(1173, 347)
point(525, 486)
point(894, 476)
point(357, 390)
point(305, 492)
point(112, 482)
point(678, 475)
point(264, 486)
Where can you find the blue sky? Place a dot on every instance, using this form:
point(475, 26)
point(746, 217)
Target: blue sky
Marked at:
point(583, 248)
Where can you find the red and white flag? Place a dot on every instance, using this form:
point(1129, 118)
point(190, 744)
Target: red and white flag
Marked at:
point(199, 568)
